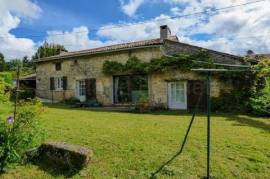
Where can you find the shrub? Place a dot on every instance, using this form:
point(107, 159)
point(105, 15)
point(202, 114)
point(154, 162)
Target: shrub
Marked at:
point(260, 101)
point(7, 77)
point(27, 94)
point(261, 105)
point(20, 134)
point(3, 95)
point(143, 104)
point(233, 101)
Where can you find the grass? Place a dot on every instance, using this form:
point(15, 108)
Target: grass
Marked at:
point(129, 145)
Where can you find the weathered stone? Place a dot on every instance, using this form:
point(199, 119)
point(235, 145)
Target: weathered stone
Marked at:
point(64, 156)
point(91, 67)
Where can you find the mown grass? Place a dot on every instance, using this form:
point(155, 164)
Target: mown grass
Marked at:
point(129, 145)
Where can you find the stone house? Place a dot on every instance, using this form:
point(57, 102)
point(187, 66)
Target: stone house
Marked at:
point(79, 74)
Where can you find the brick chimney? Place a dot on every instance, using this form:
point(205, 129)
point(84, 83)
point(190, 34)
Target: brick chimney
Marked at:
point(165, 32)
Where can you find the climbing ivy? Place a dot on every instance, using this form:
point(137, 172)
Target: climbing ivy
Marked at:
point(183, 62)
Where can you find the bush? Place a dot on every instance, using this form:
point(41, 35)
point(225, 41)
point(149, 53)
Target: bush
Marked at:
point(261, 105)
point(260, 101)
point(27, 94)
point(7, 77)
point(20, 134)
point(233, 101)
point(142, 105)
point(3, 95)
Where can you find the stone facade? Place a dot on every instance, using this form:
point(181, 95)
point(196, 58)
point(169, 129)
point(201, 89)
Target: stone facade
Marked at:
point(85, 67)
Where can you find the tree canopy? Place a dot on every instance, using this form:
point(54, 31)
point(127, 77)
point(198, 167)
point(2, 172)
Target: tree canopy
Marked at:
point(47, 50)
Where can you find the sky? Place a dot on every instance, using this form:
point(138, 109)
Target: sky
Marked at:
point(82, 24)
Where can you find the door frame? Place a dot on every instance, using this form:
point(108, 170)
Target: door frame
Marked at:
point(169, 95)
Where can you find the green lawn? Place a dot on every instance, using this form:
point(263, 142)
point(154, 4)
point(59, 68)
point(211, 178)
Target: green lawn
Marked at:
point(134, 145)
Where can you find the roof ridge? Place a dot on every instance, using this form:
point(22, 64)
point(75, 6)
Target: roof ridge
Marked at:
point(120, 46)
point(113, 45)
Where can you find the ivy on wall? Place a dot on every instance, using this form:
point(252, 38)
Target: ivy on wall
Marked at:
point(183, 62)
point(246, 85)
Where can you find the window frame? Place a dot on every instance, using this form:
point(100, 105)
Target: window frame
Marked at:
point(131, 77)
point(59, 83)
point(58, 66)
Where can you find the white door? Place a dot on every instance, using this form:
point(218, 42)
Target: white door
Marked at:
point(81, 90)
point(177, 94)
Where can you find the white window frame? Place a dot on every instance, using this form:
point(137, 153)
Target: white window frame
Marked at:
point(172, 102)
point(82, 88)
point(59, 83)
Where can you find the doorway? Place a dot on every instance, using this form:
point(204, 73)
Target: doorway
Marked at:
point(81, 90)
point(177, 94)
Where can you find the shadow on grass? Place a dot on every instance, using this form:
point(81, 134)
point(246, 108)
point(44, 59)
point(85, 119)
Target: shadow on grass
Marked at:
point(55, 170)
point(119, 110)
point(246, 121)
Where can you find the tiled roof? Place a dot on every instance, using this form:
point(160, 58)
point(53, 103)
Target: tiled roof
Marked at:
point(28, 77)
point(110, 48)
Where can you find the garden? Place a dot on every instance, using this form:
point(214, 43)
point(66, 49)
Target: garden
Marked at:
point(136, 144)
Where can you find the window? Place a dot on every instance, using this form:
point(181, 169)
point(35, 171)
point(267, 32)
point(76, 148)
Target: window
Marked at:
point(130, 88)
point(82, 88)
point(178, 92)
point(59, 83)
point(58, 66)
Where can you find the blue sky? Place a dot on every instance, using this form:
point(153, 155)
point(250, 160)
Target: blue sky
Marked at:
point(81, 24)
point(64, 15)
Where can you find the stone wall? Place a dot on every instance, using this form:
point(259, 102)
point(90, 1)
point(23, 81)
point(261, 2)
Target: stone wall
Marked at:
point(159, 85)
point(91, 67)
point(83, 68)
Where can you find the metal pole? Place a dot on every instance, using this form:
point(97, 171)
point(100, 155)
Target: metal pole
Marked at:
point(184, 141)
point(208, 121)
point(16, 90)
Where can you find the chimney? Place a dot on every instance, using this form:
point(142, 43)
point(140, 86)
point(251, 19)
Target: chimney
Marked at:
point(165, 32)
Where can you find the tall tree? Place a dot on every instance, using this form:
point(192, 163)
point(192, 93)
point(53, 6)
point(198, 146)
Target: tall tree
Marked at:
point(12, 64)
point(47, 50)
point(2, 62)
point(26, 63)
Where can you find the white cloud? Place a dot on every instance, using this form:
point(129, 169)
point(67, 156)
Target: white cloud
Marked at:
point(131, 6)
point(11, 13)
point(230, 30)
point(233, 30)
point(76, 39)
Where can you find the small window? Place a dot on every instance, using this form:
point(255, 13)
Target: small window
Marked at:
point(58, 66)
point(59, 83)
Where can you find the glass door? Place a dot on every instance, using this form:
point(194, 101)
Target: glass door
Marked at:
point(81, 90)
point(177, 95)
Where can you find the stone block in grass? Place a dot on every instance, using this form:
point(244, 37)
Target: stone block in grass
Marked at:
point(62, 159)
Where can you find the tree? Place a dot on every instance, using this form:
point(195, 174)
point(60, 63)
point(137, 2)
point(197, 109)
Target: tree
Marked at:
point(2, 62)
point(26, 63)
point(12, 64)
point(47, 50)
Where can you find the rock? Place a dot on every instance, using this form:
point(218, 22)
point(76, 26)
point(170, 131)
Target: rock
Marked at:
point(64, 156)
